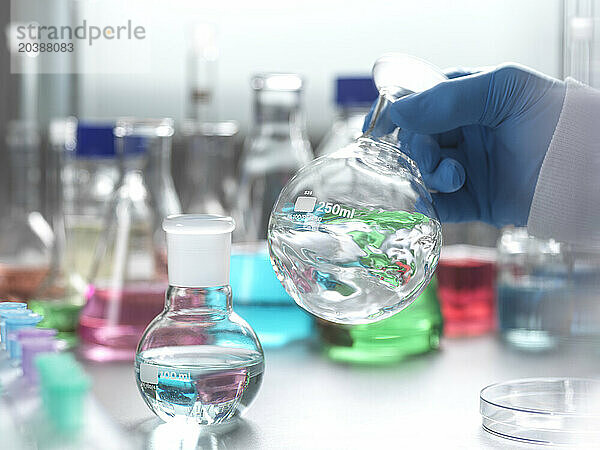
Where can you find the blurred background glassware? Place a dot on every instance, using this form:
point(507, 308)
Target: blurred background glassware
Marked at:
point(354, 236)
point(534, 303)
point(209, 169)
point(580, 41)
point(202, 60)
point(354, 97)
point(466, 277)
point(261, 299)
point(26, 238)
point(198, 362)
point(87, 174)
point(128, 276)
point(275, 149)
point(415, 330)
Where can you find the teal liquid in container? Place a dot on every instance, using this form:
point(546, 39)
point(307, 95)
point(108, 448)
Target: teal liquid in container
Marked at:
point(261, 299)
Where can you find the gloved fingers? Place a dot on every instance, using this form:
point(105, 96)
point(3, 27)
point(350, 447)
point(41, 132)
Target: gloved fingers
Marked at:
point(459, 206)
point(446, 106)
point(448, 176)
point(423, 149)
point(456, 72)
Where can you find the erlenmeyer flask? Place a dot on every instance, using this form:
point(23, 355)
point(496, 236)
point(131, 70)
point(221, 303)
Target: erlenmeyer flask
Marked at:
point(128, 277)
point(276, 148)
point(86, 173)
point(354, 236)
point(26, 239)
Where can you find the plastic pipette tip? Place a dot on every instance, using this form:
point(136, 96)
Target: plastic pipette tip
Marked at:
point(64, 386)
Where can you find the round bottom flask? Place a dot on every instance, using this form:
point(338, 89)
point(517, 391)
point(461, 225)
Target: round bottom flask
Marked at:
point(354, 236)
point(198, 362)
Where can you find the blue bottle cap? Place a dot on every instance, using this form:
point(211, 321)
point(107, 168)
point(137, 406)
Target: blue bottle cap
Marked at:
point(355, 91)
point(95, 140)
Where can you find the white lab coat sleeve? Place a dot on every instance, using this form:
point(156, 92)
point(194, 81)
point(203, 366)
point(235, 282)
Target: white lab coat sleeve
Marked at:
point(566, 201)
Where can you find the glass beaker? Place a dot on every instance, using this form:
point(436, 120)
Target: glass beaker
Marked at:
point(466, 277)
point(198, 362)
point(129, 271)
point(26, 238)
point(415, 330)
point(534, 307)
point(353, 99)
point(275, 149)
point(354, 236)
point(87, 173)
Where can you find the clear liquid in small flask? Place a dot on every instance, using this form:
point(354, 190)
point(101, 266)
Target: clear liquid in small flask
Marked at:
point(354, 236)
point(198, 362)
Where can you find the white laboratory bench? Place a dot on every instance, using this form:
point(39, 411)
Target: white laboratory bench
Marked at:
point(309, 402)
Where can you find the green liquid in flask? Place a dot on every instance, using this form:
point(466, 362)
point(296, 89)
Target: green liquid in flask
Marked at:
point(415, 330)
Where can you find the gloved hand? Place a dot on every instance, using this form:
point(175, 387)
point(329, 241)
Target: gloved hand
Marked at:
point(479, 139)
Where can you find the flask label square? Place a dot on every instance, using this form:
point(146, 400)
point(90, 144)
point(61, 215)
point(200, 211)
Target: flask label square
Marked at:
point(305, 204)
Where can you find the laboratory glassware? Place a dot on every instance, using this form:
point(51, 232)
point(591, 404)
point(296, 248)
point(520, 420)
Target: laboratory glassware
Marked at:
point(26, 238)
point(353, 98)
point(581, 52)
point(261, 299)
point(88, 171)
point(549, 411)
point(129, 270)
point(415, 330)
point(354, 236)
point(198, 362)
point(202, 61)
point(466, 277)
point(209, 172)
point(533, 301)
point(276, 148)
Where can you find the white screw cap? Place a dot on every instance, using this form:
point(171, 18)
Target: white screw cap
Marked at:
point(198, 249)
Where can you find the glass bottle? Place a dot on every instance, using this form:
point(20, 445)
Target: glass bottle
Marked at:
point(26, 238)
point(209, 171)
point(354, 236)
point(129, 269)
point(276, 148)
point(353, 98)
point(198, 362)
point(415, 330)
point(87, 175)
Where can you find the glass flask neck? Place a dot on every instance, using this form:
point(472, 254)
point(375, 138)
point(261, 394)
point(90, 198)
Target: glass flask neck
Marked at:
point(381, 128)
point(278, 111)
point(208, 300)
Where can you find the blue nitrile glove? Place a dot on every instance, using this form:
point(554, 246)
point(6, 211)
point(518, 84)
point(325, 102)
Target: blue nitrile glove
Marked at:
point(480, 138)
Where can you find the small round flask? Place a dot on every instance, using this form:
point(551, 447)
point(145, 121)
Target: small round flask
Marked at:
point(198, 362)
point(354, 236)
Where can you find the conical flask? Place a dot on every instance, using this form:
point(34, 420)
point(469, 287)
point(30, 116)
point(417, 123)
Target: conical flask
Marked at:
point(26, 238)
point(85, 173)
point(128, 277)
point(354, 236)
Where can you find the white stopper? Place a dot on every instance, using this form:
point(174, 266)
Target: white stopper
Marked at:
point(198, 249)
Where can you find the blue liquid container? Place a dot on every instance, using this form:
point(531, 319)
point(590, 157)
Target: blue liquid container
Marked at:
point(261, 299)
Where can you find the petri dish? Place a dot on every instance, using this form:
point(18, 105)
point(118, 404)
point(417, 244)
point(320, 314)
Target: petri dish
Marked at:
point(550, 411)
